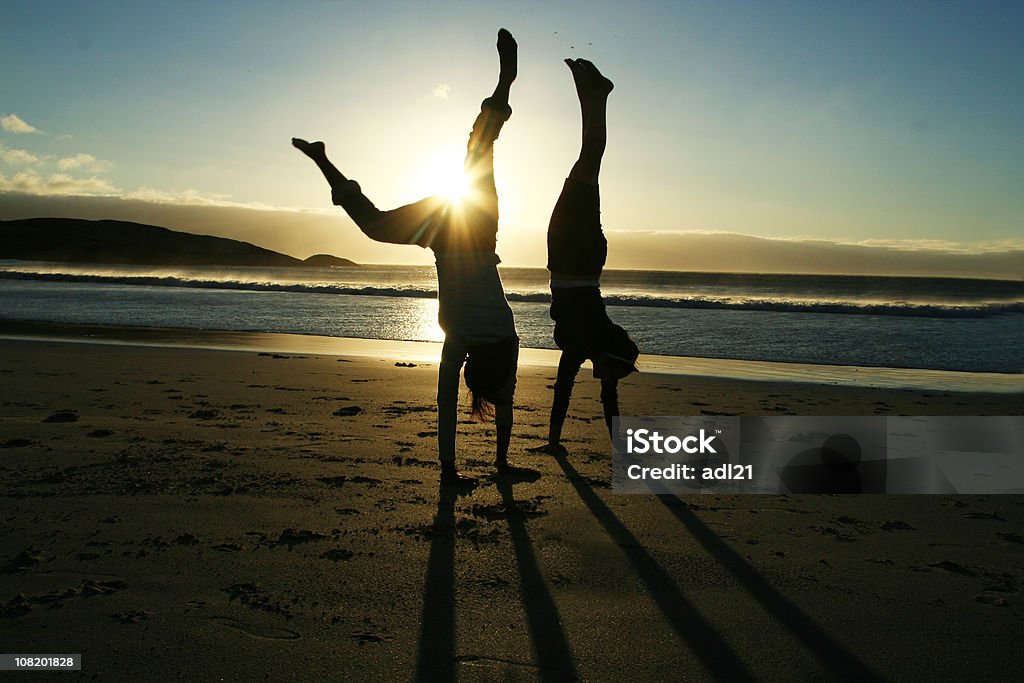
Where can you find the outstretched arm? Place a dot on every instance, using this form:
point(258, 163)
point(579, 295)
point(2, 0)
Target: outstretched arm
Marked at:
point(503, 423)
point(453, 354)
point(610, 402)
point(568, 367)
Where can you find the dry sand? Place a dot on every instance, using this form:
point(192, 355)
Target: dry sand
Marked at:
point(198, 515)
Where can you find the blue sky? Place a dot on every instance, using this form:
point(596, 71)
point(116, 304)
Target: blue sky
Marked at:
point(861, 122)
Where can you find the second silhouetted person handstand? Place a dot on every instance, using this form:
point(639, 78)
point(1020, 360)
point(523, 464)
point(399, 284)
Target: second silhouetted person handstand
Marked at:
point(577, 250)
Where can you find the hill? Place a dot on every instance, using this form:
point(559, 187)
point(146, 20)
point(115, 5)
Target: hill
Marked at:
point(326, 260)
point(74, 240)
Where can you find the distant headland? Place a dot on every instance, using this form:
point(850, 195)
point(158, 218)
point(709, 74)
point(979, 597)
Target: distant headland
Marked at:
point(75, 240)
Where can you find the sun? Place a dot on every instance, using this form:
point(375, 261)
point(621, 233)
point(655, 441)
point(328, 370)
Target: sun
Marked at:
point(455, 188)
point(441, 174)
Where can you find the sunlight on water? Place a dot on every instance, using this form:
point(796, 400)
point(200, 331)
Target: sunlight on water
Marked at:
point(424, 326)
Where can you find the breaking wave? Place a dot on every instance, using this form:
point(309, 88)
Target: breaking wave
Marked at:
point(981, 309)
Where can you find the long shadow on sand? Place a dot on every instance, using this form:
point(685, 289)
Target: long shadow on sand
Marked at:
point(841, 663)
point(550, 645)
point(720, 661)
point(436, 658)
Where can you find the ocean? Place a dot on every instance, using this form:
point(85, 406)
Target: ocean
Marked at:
point(897, 322)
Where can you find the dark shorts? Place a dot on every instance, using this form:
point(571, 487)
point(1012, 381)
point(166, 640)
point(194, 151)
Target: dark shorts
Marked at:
point(576, 243)
point(583, 327)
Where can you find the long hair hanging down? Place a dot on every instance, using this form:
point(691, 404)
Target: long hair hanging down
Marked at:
point(489, 368)
point(480, 409)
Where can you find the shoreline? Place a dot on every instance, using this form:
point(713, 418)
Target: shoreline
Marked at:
point(744, 370)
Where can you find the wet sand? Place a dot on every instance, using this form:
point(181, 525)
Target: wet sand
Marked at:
point(196, 514)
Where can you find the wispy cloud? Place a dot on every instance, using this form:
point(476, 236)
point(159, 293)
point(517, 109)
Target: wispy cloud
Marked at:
point(195, 198)
point(17, 157)
point(86, 161)
point(952, 247)
point(12, 123)
point(978, 247)
point(189, 196)
point(30, 182)
point(35, 183)
point(441, 90)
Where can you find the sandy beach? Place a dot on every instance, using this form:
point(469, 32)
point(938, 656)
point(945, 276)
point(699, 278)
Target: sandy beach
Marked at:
point(196, 514)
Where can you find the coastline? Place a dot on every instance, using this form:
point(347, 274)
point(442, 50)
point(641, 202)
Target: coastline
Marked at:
point(270, 342)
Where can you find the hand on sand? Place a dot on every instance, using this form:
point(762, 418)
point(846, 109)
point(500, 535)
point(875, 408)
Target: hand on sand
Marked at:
point(555, 449)
point(456, 480)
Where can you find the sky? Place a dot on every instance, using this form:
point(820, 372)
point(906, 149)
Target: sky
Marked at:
point(889, 126)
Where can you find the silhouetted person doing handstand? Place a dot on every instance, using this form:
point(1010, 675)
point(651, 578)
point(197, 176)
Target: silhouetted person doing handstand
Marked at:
point(472, 310)
point(577, 251)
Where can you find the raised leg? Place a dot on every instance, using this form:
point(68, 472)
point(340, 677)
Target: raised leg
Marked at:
point(593, 89)
point(415, 223)
point(495, 110)
point(318, 153)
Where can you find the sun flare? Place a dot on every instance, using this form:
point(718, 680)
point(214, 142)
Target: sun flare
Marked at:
point(442, 175)
point(456, 188)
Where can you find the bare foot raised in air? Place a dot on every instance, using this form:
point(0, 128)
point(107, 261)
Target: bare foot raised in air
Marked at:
point(313, 150)
point(589, 80)
point(508, 59)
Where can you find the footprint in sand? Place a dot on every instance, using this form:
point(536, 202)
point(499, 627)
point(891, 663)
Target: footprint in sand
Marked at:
point(132, 616)
point(293, 537)
point(63, 416)
point(993, 600)
point(228, 547)
point(338, 555)
point(16, 443)
point(255, 630)
point(347, 411)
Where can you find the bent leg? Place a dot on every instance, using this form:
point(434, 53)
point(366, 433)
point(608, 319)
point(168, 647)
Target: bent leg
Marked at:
point(610, 403)
point(411, 224)
point(415, 223)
